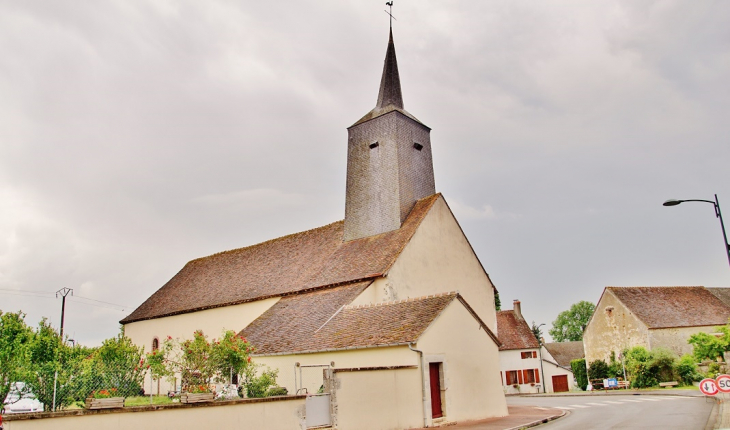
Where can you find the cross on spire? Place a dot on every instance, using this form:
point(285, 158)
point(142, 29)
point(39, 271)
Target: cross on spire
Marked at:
point(390, 4)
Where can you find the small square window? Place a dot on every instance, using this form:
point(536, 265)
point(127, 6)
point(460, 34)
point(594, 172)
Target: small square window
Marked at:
point(418, 146)
point(374, 145)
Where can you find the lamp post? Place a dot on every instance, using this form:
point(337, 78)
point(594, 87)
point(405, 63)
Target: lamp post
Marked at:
point(542, 372)
point(718, 214)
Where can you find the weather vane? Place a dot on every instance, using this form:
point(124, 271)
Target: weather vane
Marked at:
point(390, 4)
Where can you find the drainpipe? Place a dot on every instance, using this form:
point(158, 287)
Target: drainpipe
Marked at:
point(423, 381)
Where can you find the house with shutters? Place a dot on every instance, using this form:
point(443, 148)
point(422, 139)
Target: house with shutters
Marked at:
point(392, 297)
point(519, 355)
point(652, 317)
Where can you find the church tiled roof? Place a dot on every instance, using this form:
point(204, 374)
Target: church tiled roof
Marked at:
point(514, 333)
point(299, 262)
point(665, 307)
point(322, 321)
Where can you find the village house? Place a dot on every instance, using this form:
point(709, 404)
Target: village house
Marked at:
point(519, 355)
point(652, 317)
point(556, 358)
point(392, 299)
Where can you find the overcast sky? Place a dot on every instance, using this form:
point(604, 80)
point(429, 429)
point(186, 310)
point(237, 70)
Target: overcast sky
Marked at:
point(138, 135)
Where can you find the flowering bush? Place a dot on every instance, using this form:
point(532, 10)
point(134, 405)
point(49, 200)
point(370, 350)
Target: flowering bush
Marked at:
point(199, 361)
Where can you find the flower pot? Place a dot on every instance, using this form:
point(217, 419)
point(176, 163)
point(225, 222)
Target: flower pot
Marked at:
point(108, 403)
point(196, 397)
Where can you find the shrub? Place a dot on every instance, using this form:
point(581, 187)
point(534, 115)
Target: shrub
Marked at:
point(277, 391)
point(598, 370)
point(687, 370)
point(258, 386)
point(638, 366)
point(579, 372)
point(664, 364)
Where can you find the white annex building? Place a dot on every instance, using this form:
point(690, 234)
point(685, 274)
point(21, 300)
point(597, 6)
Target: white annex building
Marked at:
point(392, 298)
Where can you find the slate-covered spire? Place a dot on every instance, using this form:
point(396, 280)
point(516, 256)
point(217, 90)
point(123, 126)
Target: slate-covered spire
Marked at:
point(390, 93)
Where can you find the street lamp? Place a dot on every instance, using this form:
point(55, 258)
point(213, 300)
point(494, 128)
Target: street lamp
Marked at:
point(542, 372)
point(718, 214)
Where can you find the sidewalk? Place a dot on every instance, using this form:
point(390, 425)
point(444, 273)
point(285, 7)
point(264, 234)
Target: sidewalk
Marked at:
point(519, 417)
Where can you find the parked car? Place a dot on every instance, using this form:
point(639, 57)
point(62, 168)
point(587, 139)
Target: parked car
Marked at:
point(18, 401)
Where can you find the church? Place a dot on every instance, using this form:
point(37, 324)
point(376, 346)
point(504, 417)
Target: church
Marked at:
point(392, 298)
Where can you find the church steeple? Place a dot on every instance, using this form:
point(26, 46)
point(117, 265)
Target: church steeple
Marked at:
point(389, 164)
point(390, 93)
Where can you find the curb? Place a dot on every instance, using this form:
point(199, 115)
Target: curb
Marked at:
point(538, 422)
point(625, 393)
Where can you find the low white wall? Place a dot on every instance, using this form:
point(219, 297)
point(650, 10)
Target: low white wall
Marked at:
point(273, 413)
point(378, 399)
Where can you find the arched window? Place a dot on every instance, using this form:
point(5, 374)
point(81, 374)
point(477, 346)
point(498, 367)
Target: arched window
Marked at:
point(155, 344)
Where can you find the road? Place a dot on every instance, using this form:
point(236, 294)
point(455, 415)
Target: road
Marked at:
point(623, 411)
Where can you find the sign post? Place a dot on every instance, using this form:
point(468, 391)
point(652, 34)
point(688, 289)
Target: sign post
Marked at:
point(709, 387)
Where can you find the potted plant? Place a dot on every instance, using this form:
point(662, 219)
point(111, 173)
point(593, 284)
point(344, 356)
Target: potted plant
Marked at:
point(105, 399)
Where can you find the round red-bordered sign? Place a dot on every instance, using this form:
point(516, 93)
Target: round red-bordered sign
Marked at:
point(723, 383)
point(709, 387)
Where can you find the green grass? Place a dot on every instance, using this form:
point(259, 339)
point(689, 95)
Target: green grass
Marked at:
point(145, 400)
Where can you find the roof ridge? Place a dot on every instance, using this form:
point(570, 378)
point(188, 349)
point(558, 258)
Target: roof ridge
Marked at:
point(409, 299)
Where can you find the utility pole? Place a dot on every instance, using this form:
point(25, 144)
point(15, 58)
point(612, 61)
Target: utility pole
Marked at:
point(63, 292)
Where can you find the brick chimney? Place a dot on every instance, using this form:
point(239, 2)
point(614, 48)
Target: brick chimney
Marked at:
point(517, 309)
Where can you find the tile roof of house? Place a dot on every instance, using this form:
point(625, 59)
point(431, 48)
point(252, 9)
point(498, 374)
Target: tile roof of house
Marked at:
point(322, 321)
point(721, 293)
point(665, 307)
point(299, 262)
point(514, 333)
point(565, 352)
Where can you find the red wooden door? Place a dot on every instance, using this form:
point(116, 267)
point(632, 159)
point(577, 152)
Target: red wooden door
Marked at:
point(433, 371)
point(560, 383)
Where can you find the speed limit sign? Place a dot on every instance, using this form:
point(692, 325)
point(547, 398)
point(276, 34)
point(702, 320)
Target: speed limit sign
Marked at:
point(723, 383)
point(709, 387)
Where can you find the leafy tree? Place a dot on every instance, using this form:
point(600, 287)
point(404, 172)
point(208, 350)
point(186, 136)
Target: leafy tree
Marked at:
point(199, 362)
point(598, 369)
point(570, 324)
point(497, 302)
point(51, 367)
point(15, 337)
point(117, 364)
point(579, 371)
point(707, 346)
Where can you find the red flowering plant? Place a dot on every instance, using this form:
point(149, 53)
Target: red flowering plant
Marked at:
point(199, 362)
point(105, 394)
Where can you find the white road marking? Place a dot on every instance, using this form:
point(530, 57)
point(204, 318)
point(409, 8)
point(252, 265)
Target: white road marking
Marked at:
point(633, 401)
point(580, 406)
point(596, 404)
point(615, 403)
point(564, 407)
point(651, 400)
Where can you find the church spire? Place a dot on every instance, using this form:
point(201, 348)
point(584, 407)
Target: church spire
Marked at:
point(390, 93)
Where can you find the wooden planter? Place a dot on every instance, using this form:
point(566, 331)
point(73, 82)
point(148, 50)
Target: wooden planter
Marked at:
point(196, 397)
point(111, 402)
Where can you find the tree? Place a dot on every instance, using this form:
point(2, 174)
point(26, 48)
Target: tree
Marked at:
point(598, 369)
point(570, 324)
point(15, 336)
point(537, 331)
point(497, 302)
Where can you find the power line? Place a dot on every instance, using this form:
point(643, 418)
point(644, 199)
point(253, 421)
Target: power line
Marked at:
point(77, 299)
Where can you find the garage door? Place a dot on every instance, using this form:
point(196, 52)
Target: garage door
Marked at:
point(560, 383)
